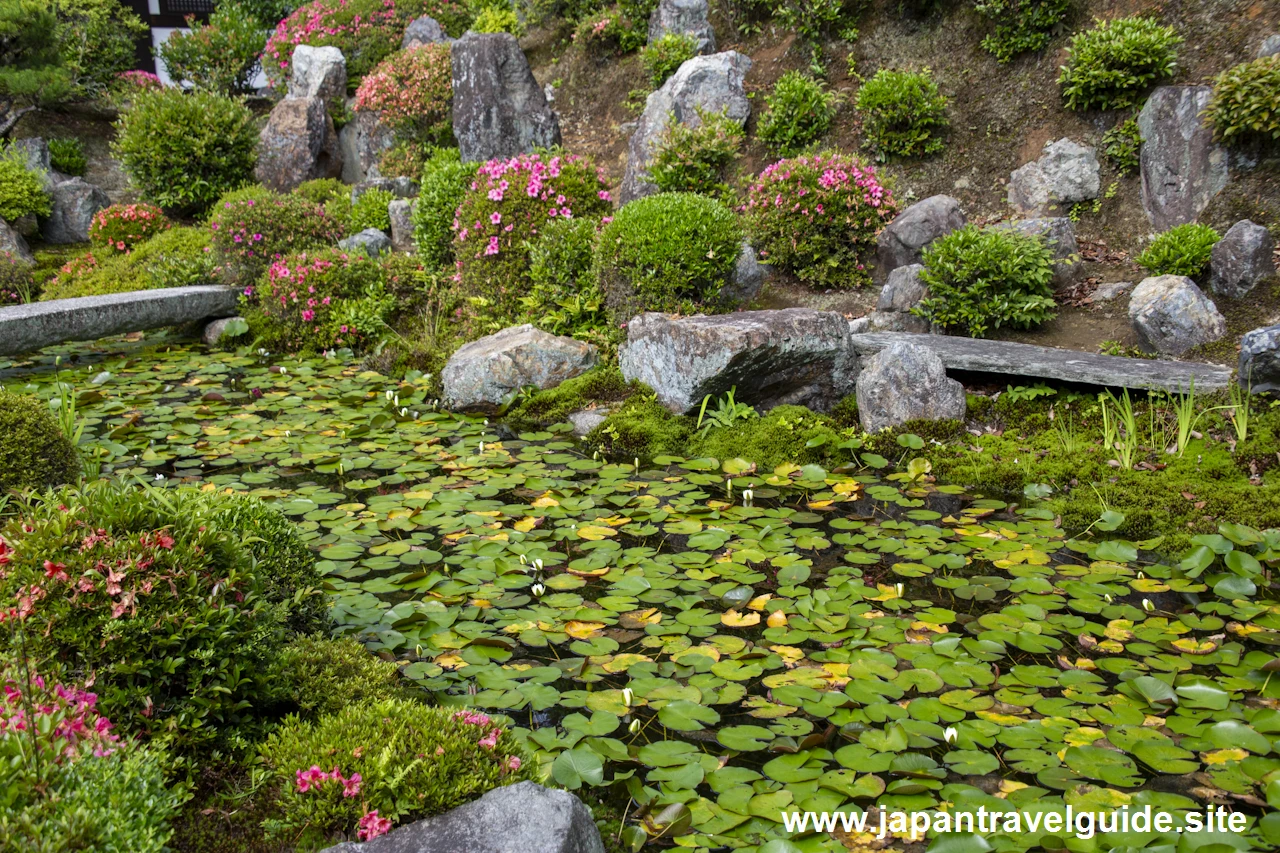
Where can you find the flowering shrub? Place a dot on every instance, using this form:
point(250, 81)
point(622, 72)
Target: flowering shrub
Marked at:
point(34, 451)
point(177, 257)
point(664, 57)
point(221, 55)
point(606, 34)
point(817, 217)
point(413, 92)
point(16, 284)
point(321, 299)
point(509, 200)
point(376, 752)
point(694, 159)
point(252, 227)
point(120, 227)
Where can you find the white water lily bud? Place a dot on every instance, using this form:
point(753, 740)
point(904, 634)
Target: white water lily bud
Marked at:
point(523, 561)
point(397, 399)
point(159, 477)
point(901, 587)
point(482, 447)
point(390, 394)
point(634, 727)
point(637, 461)
point(415, 416)
point(747, 497)
point(404, 412)
point(1147, 605)
point(1107, 597)
point(950, 734)
point(628, 696)
point(537, 590)
point(537, 564)
point(283, 371)
point(288, 433)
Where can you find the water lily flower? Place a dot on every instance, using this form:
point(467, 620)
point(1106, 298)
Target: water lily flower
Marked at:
point(627, 696)
point(748, 496)
point(537, 590)
point(634, 726)
point(950, 734)
point(1147, 605)
point(901, 587)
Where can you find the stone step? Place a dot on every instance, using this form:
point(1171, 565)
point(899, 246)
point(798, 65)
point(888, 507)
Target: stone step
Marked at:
point(1005, 357)
point(26, 328)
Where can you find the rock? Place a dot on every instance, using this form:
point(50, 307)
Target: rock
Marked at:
point(423, 31)
point(318, 72)
point(1182, 167)
point(904, 289)
point(746, 280)
point(361, 142)
point(13, 243)
point(215, 331)
point(795, 355)
point(480, 375)
point(74, 203)
point(903, 241)
point(709, 83)
point(1241, 259)
point(298, 144)
point(1171, 315)
point(1066, 173)
point(683, 17)
point(371, 241)
point(1111, 290)
point(895, 321)
point(904, 382)
point(38, 159)
point(400, 187)
point(585, 420)
point(1270, 46)
point(521, 818)
point(498, 108)
point(1060, 235)
point(401, 213)
point(1260, 360)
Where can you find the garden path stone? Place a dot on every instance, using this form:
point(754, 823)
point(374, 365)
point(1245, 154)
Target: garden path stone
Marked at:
point(423, 31)
point(481, 375)
point(26, 328)
point(297, 144)
point(74, 204)
point(371, 241)
point(1066, 173)
point(1060, 235)
point(318, 72)
point(976, 355)
point(400, 212)
point(498, 108)
point(13, 243)
point(906, 381)
point(1182, 167)
point(1241, 259)
point(904, 240)
point(1260, 359)
point(712, 84)
point(1171, 315)
point(790, 356)
point(683, 17)
point(520, 818)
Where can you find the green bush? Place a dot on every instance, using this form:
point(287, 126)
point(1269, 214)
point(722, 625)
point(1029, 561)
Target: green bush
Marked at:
point(371, 211)
point(1122, 145)
point(1113, 64)
point(322, 675)
point(378, 751)
point(495, 18)
point(1021, 26)
point(564, 298)
point(1182, 250)
point(32, 70)
point(798, 112)
point(815, 20)
point(666, 251)
point(184, 150)
point(17, 284)
point(34, 452)
point(322, 190)
point(67, 156)
point(21, 190)
point(903, 114)
point(1246, 102)
point(98, 41)
point(179, 257)
point(219, 56)
point(664, 57)
point(444, 182)
point(694, 159)
point(983, 279)
point(251, 227)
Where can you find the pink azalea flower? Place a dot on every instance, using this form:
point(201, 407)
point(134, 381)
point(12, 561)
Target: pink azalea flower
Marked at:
point(371, 826)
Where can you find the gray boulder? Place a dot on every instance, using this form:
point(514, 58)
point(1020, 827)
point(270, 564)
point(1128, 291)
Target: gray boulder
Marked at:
point(74, 203)
point(1066, 173)
point(521, 818)
point(298, 144)
point(371, 241)
point(585, 420)
point(215, 331)
point(38, 160)
point(400, 187)
point(401, 213)
point(13, 243)
point(1171, 315)
point(904, 289)
point(894, 321)
point(1182, 167)
point(1060, 235)
point(1270, 46)
point(1111, 290)
point(423, 31)
point(683, 17)
point(1260, 359)
point(1241, 259)
point(480, 375)
point(791, 356)
point(904, 382)
point(361, 143)
point(498, 108)
point(903, 241)
point(712, 84)
point(318, 72)
point(746, 280)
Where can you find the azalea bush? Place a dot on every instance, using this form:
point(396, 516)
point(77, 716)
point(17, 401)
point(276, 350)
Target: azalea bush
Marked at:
point(221, 55)
point(565, 297)
point(120, 227)
point(817, 217)
point(97, 40)
point(371, 211)
point(1113, 64)
point(252, 227)
point(903, 114)
point(412, 90)
point(506, 205)
point(34, 451)
point(664, 57)
point(16, 283)
point(694, 158)
point(1182, 250)
point(176, 257)
point(1246, 102)
point(379, 764)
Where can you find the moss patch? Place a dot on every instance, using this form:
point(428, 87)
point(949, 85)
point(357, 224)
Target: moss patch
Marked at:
point(602, 385)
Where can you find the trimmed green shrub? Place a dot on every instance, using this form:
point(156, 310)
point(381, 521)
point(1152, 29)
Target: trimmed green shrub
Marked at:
point(16, 282)
point(565, 298)
point(322, 190)
point(67, 156)
point(34, 452)
point(412, 91)
point(815, 20)
point(444, 182)
point(21, 191)
point(97, 39)
point(1021, 26)
point(1113, 64)
point(903, 114)
point(1182, 250)
point(497, 18)
point(694, 159)
point(32, 70)
point(1122, 145)
point(219, 56)
point(377, 752)
point(371, 211)
point(251, 227)
point(981, 279)
point(1246, 102)
point(798, 112)
point(664, 57)
point(666, 251)
point(179, 257)
point(323, 675)
point(121, 227)
point(184, 150)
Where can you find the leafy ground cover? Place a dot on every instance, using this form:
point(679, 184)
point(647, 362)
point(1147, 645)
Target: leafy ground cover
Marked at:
point(710, 644)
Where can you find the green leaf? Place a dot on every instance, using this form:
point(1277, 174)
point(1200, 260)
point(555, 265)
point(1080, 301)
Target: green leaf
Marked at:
point(681, 715)
point(577, 767)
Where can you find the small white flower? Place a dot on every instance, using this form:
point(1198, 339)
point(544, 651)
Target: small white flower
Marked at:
point(537, 564)
point(482, 447)
point(261, 351)
point(397, 399)
point(522, 560)
point(1147, 605)
point(537, 590)
point(283, 371)
point(159, 477)
point(415, 416)
point(1141, 576)
point(1107, 596)
point(634, 727)
point(950, 734)
point(288, 433)
point(390, 394)
point(901, 587)
point(747, 497)
point(404, 412)
point(627, 696)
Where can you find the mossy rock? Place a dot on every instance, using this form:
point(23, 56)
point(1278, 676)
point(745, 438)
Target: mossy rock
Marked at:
point(34, 452)
point(554, 405)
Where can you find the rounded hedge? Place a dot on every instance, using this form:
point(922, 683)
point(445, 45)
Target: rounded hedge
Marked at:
point(21, 192)
point(1246, 102)
point(1112, 64)
point(903, 114)
point(34, 451)
point(666, 251)
point(178, 257)
point(120, 227)
point(798, 112)
point(1182, 250)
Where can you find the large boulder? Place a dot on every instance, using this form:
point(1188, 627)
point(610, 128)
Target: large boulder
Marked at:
point(712, 84)
point(370, 241)
point(905, 382)
point(1259, 367)
point(361, 143)
point(903, 241)
point(1241, 259)
point(13, 243)
point(1182, 167)
point(498, 108)
point(791, 356)
point(1066, 173)
point(318, 72)
point(298, 144)
point(520, 818)
point(74, 204)
point(480, 375)
point(746, 280)
point(1060, 236)
point(400, 212)
point(683, 17)
point(423, 31)
point(1171, 315)
point(35, 152)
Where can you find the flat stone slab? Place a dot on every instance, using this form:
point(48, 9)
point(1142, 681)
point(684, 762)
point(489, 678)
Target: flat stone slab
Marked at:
point(26, 328)
point(983, 356)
